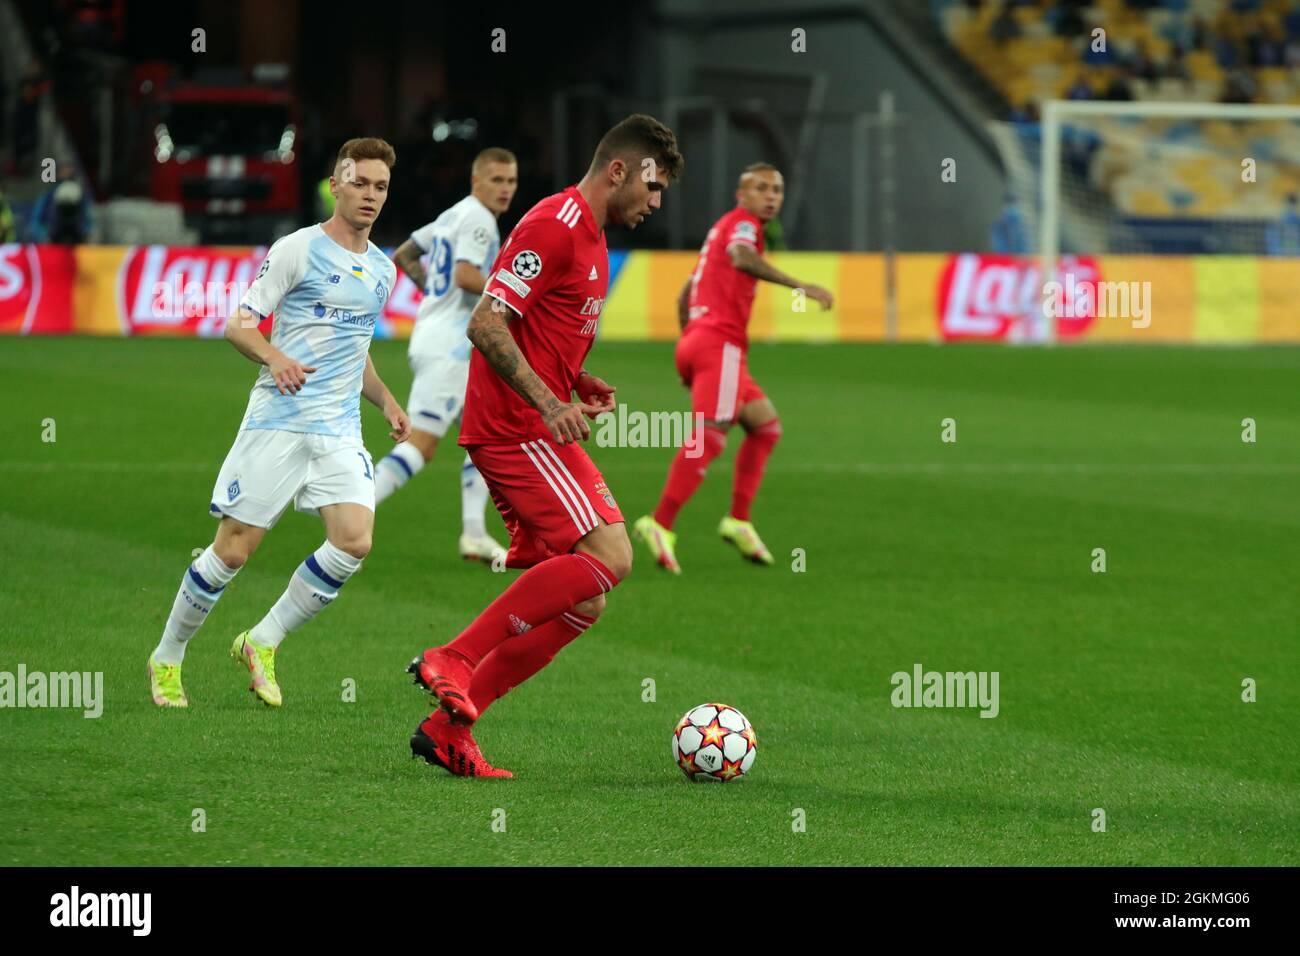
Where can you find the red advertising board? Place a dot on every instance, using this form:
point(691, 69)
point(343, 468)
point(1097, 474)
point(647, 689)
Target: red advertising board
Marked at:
point(177, 290)
point(36, 285)
point(1001, 297)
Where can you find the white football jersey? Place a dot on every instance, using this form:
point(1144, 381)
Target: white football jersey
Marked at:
point(326, 300)
point(467, 232)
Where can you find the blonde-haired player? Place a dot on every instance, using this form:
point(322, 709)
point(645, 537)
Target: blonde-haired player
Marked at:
point(460, 245)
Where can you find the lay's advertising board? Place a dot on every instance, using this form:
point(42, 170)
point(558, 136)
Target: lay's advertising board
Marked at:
point(189, 291)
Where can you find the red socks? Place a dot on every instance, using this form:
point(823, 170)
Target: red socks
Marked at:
point(541, 593)
point(519, 658)
point(685, 475)
point(750, 462)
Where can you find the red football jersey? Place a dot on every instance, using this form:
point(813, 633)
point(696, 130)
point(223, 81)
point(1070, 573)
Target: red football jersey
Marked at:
point(721, 295)
point(553, 272)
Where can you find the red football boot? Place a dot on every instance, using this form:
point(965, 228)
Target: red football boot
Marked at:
point(452, 747)
point(446, 675)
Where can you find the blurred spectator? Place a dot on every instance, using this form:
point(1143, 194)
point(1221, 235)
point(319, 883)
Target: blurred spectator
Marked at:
point(1238, 87)
point(1025, 112)
point(1282, 238)
point(1200, 33)
point(1004, 26)
point(1069, 20)
point(1181, 33)
point(32, 88)
point(1078, 146)
point(62, 213)
point(1080, 89)
point(1267, 48)
point(1008, 235)
point(1118, 89)
point(7, 231)
point(1242, 37)
point(1141, 65)
point(1175, 67)
point(1225, 51)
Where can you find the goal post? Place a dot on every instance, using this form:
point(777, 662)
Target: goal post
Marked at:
point(1150, 177)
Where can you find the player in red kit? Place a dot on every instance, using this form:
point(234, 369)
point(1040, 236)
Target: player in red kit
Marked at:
point(713, 309)
point(532, 331)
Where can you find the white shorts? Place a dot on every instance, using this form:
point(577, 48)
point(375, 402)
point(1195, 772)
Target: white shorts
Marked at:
point(437, 393)
point(267, 468)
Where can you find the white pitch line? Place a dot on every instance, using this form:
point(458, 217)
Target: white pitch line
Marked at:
point(121, 467)
point(857, 467)
point(1054, 468)
point(1010, 468)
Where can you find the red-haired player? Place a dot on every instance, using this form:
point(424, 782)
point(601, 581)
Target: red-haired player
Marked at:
point(532, 331)
point(713, 309)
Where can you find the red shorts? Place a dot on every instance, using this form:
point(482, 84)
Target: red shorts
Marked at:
point(717, 374)
point(549, 496)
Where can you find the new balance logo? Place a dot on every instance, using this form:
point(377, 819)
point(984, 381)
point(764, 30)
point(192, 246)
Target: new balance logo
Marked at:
point(593, 277)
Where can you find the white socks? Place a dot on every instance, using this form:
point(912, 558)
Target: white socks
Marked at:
point(396, 468)
point(405, 461)
point(473, 499)
point(313, 586)
point(202, 586)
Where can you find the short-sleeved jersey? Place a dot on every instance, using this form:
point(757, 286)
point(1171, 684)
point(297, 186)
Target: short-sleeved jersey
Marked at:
point(467, 232)
point(721, 295)
point(326, 300)
point(553, 273)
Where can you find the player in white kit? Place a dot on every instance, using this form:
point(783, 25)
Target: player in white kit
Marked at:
point(461, 245)
point(300, 440)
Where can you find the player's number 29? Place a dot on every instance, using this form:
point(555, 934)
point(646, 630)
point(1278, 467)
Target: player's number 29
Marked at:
point(441, 267)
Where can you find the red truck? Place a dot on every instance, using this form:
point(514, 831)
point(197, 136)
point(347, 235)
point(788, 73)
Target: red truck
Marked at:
point(229, 156)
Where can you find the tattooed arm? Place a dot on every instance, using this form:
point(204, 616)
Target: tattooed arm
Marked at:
point(490, 333)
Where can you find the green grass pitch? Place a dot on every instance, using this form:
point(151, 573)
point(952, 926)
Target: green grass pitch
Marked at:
point(1119, 690)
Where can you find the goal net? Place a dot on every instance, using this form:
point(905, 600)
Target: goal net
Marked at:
point(1151, 178)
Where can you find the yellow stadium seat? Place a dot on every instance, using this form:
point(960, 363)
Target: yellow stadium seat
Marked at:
point(1201, 65)
point(1147, 202)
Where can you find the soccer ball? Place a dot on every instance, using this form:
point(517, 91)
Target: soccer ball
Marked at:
point(714, 743)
